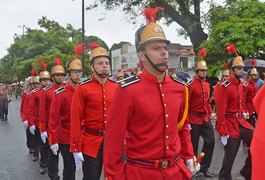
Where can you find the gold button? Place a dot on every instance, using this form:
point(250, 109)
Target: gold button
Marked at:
point(105, 122)
point(163, 95)
point(167, 148)
point(166, 116)
point(104, 102)
point(166, 137)
point(105, 115)
point(104, 96)
point(165, 105)
point(167, 126)
point(105, 109)
point(160, 85)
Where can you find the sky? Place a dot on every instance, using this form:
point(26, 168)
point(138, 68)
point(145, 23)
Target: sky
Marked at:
point(113, 29)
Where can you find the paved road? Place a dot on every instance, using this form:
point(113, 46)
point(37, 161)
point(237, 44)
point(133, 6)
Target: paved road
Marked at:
point(16, 163)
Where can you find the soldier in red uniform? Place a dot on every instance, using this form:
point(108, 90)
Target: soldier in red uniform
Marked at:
point(24, 110)
point(147, 117)
point(231, 118)
point(200, 114)
point(60, 118)
point(89, 111)
point(250, 91)
point(57, 75)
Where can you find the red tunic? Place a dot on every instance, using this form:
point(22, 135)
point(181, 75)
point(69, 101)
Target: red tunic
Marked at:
point(60, 115)
point(257, 147)
point(250, 90)
point(229, 101)
point(45, 104)
point(199, 101)
point(146, 114)
point(33, 108)
point(90, 107)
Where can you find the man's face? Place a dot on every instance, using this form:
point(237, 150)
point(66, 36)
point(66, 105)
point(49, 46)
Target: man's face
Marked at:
point(254, 77)
point(37, 85)
point(101, 65)
point(202, 74)
point(238, 71)
point(58, 78)
point(45, 82)
point(75, 75)
point(158, 53)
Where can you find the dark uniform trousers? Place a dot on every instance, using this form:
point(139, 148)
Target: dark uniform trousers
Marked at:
point(68, 162)
point(30, 139)
point(92, 167)
point(53, 163)
point(42, 148)
point(205, 130)
point(231, 150)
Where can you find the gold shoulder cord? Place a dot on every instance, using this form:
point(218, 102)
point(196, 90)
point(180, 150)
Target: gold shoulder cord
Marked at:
point(185, 114)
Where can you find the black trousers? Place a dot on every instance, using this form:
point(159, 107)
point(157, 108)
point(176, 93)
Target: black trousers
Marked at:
point(30, 139)
point(205, 130)
point(231, 150)
point(92, 167)
point(53, 161)
point(42, 148)
point(68, 162)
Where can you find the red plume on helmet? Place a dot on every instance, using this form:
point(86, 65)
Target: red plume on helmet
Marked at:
point(34, 72)
point(43, 65)
point(57, 61)
point(79, 49)
point(93, 45)
point(231, 49)
point(139, 65)
point(202, 53)
point(253, 61)
point(172, 69)
point(119, 70)
point(225, 65)
point(150, 13)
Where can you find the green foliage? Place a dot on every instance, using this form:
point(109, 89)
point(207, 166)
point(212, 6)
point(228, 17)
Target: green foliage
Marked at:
point(239, 22)
point(47, 43)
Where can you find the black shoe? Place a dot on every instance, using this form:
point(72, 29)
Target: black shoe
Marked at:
point(207, 174)
point(31, 151)
point(35, 158)
point(43, 170)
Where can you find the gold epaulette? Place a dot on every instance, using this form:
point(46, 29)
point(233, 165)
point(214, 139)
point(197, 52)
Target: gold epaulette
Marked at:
point(59, 90)
point(35, 90)
point(128, 81)
point(47, 88)
point(245, 84)
point(85, 81)
point(226, 83)
point(179, 80)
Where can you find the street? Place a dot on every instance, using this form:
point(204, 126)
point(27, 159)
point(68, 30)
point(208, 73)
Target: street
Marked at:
point(16, 163)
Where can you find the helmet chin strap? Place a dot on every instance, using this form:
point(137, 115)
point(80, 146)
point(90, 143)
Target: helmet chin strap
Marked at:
point(73, 81)
point(100, 75)
point(155, 66)
point(200, 77)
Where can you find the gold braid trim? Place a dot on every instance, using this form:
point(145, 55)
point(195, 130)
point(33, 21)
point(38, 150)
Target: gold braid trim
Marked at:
point(185, 114)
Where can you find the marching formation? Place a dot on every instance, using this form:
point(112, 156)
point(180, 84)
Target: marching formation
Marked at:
point(146, 126)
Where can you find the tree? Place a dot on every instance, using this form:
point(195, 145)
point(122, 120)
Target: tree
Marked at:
point(47, 43)
point(239, 22)
point(186, 13)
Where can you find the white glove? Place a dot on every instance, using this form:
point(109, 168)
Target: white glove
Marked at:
point(245, 115)
point(44, 136)
point(54, 148)
point(25, 123)
point(32, 129)
point(213, 115)
point(192, 166)
point(224, 139)
point(78, 160)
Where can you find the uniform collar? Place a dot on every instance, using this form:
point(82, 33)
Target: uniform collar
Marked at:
point(151, 78)
point(95, 80)
point(234, 81)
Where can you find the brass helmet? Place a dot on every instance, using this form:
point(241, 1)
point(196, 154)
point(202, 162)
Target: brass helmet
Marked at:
point(97, 51)
point(75, 65)
point(30, 79)
point(201, 64)
point(226, 72)
point(57, 68)
point(44, 74)
point(237, 61)
point(36, 79)
point(150, 32)
point(253, 70)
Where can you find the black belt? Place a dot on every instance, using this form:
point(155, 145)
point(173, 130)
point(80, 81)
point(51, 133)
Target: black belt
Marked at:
point(199, 114)
point(97, 132)
point(233, 115)
point(156, 164)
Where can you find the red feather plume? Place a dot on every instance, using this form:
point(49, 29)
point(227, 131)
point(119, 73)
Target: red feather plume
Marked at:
point(79, 49)
point(93, 45)
point(231, 49)
point(225, 65)
point(253, 62)
point(34, 72)
point(139, 65)
point(43, 65)
point(57, 61)
point(172, 70)
point(119, 70)
point(202, 52)
point(150, 13)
